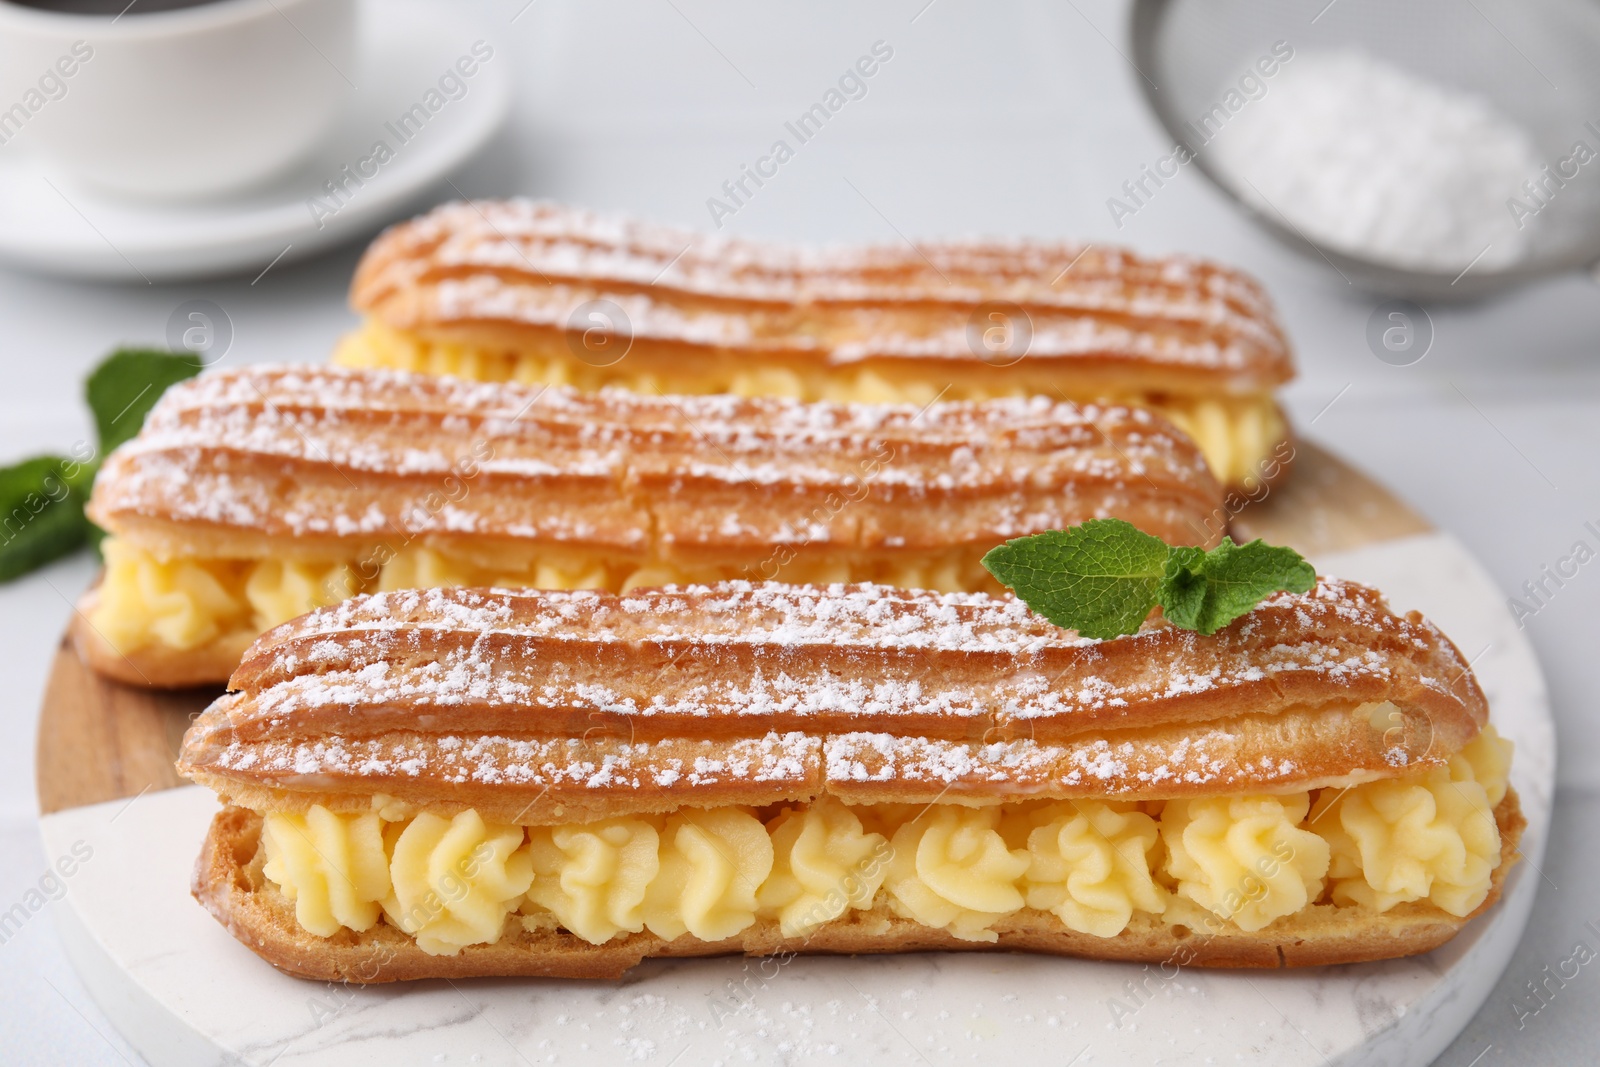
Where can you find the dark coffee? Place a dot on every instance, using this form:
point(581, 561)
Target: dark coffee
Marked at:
point(108, 7)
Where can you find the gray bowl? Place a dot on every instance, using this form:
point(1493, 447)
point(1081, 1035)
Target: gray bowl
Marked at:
point(1537, 61)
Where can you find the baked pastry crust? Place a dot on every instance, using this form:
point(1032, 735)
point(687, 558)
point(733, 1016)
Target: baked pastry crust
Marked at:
point(229, 883)
point(509, 274)
point(317, 462)
point(512, 703)
point(327, 464)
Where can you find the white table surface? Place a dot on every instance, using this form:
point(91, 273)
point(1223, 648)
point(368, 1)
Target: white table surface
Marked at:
point(999, 119)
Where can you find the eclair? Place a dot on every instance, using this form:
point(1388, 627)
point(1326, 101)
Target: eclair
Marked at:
point(540, 292)
point(456, 783)
point(254, 495)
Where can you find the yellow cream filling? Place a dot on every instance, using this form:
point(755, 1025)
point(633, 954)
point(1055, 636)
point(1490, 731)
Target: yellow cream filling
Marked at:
point(1091, 863)
point(1430, 835)
point(951, 869)
point(593, 878)
point(712, 864)
point(1236, 434)
point(1245, 861)
point(454, 881)
point(334, 867)
point(186, 603)
point(825, 863)
point(181, 603)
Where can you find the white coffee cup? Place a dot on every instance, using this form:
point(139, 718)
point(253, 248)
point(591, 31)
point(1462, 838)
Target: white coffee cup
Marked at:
point(195, 101)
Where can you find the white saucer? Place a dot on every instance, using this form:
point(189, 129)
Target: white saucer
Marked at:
point(185, 994)
point(48, 223)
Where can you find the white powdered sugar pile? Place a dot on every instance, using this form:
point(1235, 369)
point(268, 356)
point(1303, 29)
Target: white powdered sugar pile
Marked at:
point(1364, 157)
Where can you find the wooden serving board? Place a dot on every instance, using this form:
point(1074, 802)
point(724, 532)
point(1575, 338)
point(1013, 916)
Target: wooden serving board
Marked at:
point(100, 740)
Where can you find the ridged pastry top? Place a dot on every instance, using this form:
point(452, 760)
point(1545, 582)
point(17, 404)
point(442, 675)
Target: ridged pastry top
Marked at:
point(769, 692)
point(342, 457)
point(527, 264)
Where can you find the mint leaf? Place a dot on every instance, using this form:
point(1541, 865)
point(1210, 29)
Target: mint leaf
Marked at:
point(41, 512)
point(1182, 590)
point(1102, 577)
point(1205, 591)
point(1098, 578)
point(126, 385)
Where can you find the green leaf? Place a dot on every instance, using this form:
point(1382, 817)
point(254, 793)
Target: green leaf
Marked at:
point(127, 384)
point(41, 499)
point(1205, 591)
point(1182, 591)
point(41, 512)
point(1098, 578)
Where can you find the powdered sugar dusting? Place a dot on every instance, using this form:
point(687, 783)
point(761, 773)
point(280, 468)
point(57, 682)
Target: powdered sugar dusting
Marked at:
point(960, 691)
point(362, 454)
point(1208, 761)
point(530, 263)
point(590, 763)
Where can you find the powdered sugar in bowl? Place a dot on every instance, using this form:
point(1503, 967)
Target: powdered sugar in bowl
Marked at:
point(1433, 150)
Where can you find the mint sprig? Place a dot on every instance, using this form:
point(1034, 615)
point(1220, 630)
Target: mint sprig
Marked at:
point(1103, 577)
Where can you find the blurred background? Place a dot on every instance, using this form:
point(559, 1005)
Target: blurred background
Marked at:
point(1000, 119)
